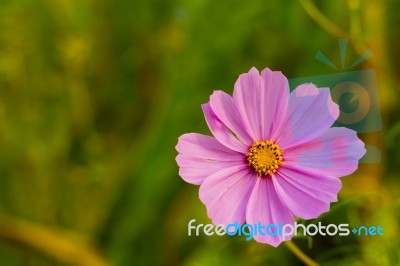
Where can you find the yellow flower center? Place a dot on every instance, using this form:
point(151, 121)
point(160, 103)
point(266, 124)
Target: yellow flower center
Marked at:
point(265, 157)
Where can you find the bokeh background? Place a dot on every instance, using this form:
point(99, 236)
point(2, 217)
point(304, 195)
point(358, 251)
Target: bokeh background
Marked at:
point(94, 94)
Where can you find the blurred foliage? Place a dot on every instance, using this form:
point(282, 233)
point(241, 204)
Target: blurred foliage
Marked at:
point(94, 94)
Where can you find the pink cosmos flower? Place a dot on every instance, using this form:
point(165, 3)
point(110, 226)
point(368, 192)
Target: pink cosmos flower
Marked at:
point(273, 155)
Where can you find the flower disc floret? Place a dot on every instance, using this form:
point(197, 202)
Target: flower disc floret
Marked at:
point(264, 157)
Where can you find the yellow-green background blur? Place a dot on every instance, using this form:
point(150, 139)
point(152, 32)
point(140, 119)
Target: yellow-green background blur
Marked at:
point(94, 94)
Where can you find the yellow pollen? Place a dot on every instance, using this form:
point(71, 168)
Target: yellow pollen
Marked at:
point(265, 157)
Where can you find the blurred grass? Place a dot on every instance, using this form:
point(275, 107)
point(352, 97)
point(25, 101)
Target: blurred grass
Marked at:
point(93, 95)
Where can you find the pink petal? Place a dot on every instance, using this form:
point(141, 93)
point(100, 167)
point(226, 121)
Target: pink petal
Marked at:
point(275, 99)
point(205, 147)
point(311, 112)
point(221, 132)
point(262, 101)
point(201, 155)
point(306, 194)
point(226, 193)
point(265, 206)
point(224, 108)
point(335, 153)
point(247, 99)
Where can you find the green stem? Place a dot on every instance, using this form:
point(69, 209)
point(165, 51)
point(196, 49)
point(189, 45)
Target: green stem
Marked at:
point(322, 20)
point(49, 241)
point(300, 254)
point(329, 26)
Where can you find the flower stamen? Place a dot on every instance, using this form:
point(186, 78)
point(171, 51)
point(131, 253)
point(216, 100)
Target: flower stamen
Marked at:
point(265, 157)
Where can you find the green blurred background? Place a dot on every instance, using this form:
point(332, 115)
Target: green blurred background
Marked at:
point(94, 94)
